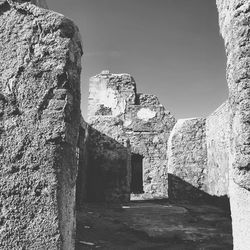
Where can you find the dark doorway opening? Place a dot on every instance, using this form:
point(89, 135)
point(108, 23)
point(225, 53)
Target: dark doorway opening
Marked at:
point(136, 174)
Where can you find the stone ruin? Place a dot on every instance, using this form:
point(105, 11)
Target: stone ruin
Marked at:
point(124, 116)
point(137, 150)
point(50, 157)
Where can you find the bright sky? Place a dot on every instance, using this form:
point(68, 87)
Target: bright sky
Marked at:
point(171, 47)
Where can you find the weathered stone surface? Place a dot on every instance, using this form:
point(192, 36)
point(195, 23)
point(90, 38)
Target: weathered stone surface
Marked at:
point(151, 119)
point(148, 134)
point(147, 100)
point(234, 25)
point(109, 94)
point(137, 117)
point(187, 159)
point(218, 143)
point(40, 68)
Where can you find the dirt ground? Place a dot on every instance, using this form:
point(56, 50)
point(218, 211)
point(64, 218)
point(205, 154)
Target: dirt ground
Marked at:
point(153, 225)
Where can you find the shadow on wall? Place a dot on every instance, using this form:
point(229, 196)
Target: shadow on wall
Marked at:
point(181, 190)
point(108, 169)
point(82, 157)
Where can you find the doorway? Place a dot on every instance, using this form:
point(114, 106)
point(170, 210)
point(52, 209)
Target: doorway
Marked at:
point(136, 174)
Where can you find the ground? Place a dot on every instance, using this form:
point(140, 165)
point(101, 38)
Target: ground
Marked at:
point(153, 225)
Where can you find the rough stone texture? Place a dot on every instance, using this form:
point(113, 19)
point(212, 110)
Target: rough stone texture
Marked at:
point(109, 94)
point(115, 105)
point(187, 154)
point(234, 16)
point(146, 99)
point(234, 25)
point(218, 143)
point(148, 128)
point(40, 66)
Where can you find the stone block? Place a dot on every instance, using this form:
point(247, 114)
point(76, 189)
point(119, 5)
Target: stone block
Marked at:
point(187, 159)
point(39, 132)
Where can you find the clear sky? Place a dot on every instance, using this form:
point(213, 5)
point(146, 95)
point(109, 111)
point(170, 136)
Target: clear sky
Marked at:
point(171, 47)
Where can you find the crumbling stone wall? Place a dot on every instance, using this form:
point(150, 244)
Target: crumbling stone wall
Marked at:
point(191, 163)
point(116, 110)
point(40, 66)
point(217, 138)
point(187, 164)
point(148, 125)
point(234, 25)
point(108, 168)
point(110, 94)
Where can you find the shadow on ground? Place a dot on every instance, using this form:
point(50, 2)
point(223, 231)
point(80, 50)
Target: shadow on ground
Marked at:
point(158, 224)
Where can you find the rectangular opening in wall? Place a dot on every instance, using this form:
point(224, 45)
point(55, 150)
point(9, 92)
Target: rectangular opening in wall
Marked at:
point(136, 174)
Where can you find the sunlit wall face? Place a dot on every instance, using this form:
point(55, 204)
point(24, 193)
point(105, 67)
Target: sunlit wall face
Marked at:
point(171, 47)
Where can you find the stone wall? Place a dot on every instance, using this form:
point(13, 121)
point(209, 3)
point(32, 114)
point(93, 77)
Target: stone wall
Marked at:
point(198, 155)
point(148, 127)
point(110, 94)
point(115, 104)
point(234, 26)
point(43, 140)
point(108, 168)
point(40, 64)
point(191, 163)
point(187, 164)
point(82, 158)
point(217, 137)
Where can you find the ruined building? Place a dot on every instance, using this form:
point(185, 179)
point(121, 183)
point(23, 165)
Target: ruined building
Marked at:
point(125, 116)
point(140, 151)
point(131, 144)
